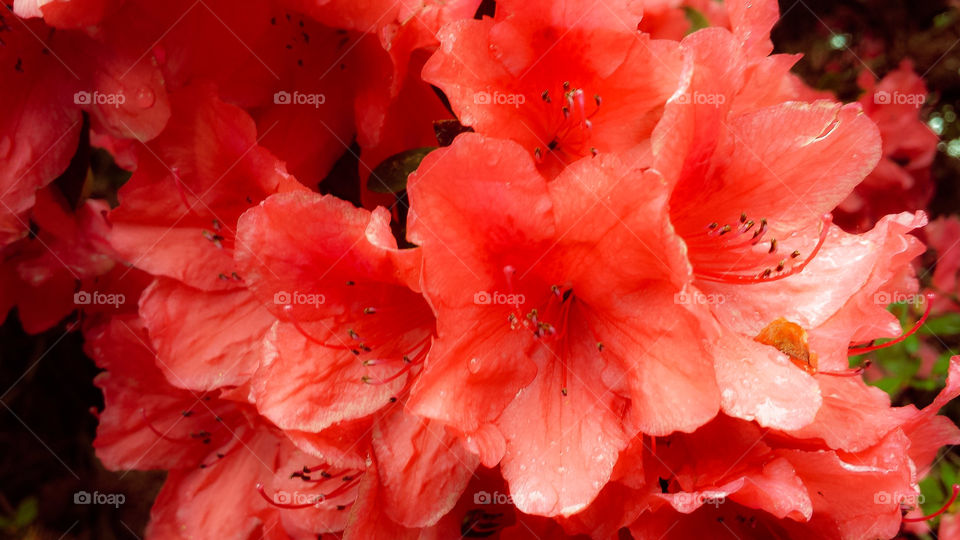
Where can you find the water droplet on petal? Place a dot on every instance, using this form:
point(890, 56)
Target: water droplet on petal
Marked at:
point(474, 365)
point(146, 98)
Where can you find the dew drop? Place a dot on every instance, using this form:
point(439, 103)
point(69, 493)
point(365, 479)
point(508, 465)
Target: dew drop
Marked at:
point(145, 98)
point(474, 365)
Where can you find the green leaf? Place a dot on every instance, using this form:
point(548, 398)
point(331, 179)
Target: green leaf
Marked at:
point(697, 20)
point(942, 364)
point(390, 176)
point(890, 385)
point(26, 513)
point(946, 325)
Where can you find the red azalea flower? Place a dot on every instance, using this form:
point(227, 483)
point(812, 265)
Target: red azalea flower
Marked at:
point(218, 452)
point(350, 336)
point(54, 271)
point(178, 211)
point(758, 482)
point(668, 19)
point(942, 234)
point(347, 318)
point(901, 182)
point(177, 219)
point(66, 13)
point(39, 123)
point(545, 295)
point(749, 207)
point(949, 527)
point(559, 81)
point(839, 299)
point(801, 488)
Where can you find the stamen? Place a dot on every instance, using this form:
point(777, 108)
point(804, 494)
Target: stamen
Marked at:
point(946, 505)
point(776, 273)
point(852, 372)
point(288, 311)
point(928, 300)
point(285, 506)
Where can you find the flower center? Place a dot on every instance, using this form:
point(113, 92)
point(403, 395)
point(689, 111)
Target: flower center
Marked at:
point(208, 425)
point(574, 126)
point(746, 254)
point(324, 485)
point(549, 323)
point(391, 339)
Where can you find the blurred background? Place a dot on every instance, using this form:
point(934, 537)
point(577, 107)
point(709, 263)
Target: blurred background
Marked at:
point(47, 422)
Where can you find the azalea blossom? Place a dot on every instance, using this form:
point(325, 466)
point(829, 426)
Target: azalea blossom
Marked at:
point(479, 269)
point(901, 181)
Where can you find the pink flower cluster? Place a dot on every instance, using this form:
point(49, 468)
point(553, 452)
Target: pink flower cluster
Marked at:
point(616, 301)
